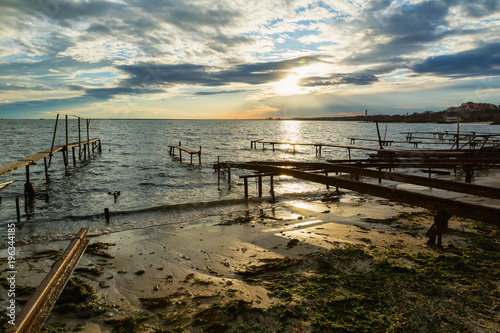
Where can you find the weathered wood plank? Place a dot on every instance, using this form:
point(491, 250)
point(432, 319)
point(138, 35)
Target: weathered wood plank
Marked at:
point(12, 166)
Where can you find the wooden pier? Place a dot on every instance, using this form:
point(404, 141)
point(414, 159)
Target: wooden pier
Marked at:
point(318, 146)
point(84, 151)
point(181, 149)
point(318, 172)
point(384, 142)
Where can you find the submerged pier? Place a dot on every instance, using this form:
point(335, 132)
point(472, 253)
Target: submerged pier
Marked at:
point(189, 151)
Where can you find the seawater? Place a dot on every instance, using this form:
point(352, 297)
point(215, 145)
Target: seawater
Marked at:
point(154, 187)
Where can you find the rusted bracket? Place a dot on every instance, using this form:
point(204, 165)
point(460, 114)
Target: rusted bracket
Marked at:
point(37, 309)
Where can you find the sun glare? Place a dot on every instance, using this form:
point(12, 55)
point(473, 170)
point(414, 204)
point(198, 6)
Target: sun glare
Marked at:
point(288, 86)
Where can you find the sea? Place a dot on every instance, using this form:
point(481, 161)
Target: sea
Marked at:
point(156, 188)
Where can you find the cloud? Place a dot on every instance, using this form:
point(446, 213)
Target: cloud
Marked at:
point(484, 60)
point(337, 79)
point(208, 93)
point(148, 50)
point(252, 73)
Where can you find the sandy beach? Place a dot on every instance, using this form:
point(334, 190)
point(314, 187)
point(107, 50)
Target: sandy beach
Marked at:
point(163, 277)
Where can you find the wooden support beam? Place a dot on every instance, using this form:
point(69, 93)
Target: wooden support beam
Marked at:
point(88, 137)
point(271, 190)
point(65, 156)
point(259, 183)
point(53, 140)
point(18, 210)
point(245, 184)
point(79, 141)
point(67, 131)
point(47, 177)
point(29, 190)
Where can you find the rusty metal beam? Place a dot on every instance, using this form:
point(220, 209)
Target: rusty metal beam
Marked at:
point(37, 309)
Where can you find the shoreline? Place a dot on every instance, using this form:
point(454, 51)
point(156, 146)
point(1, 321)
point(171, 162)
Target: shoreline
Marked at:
point(190, 266)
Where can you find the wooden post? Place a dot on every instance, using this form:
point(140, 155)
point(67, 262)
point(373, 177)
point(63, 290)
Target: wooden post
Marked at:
point(65, 156)
point(53, 139)
point(259, 181)
point(245, 183)
point(88, 137)
point(199, 156)
point(327, 186)
point(272, 189)
point(28, 187)
point(229, 176)
point(218, 172)
point(379, 138)
point(106, 214)
point(458, 131)
point(79, 141)
point(100, 147)
point(18, 210)
point(66, 134)
point(26, 202)
point(74, 157)
point(349, 151)
point(47, 178)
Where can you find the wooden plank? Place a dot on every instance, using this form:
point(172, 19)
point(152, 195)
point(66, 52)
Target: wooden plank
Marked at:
point(187, 150)
point(12, 166)
point(2, 185)
point(37, 309)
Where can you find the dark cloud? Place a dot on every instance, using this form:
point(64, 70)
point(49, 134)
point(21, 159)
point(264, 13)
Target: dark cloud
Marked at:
point(21, 86)
point(223, 43)
point(484, 60)
point(255, 73)
point(336, 79)
point(106, 93)
point(480, 8)
point(207, 93)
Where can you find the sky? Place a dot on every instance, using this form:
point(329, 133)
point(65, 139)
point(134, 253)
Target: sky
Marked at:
point(244, 59)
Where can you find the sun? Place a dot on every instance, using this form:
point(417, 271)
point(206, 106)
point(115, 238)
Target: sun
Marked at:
point(288, 85)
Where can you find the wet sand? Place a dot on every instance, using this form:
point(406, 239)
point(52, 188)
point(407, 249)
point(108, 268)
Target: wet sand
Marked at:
point(199, 261)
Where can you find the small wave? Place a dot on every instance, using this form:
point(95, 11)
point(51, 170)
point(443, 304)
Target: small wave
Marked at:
point(131, 219)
